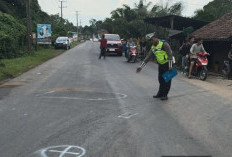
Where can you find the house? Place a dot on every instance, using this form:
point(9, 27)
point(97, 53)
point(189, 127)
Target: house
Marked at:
point(217, 37)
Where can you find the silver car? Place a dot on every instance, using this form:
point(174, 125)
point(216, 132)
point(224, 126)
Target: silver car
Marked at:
point(63, 42)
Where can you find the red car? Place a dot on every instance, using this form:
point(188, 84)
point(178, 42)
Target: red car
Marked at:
point(114, 44)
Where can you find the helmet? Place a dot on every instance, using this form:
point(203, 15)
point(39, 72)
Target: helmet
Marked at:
point(150, 35)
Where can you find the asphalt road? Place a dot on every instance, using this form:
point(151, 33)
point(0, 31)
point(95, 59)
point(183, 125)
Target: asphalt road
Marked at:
point(76, 105)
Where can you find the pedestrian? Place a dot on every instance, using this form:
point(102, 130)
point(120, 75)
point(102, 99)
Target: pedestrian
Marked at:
point(143, 48)
point(103, 46)
point(124, 49)
point(163, 54)
point(230, 62)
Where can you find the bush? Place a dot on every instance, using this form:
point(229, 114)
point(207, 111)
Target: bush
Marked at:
point(12, 36)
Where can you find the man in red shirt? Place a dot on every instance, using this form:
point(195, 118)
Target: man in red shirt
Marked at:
point(103, 47)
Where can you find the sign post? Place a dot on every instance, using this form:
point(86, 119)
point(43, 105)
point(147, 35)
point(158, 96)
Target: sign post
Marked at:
point(44, 34)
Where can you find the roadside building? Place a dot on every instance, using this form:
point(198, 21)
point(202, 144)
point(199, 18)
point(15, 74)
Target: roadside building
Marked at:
point(217, 37)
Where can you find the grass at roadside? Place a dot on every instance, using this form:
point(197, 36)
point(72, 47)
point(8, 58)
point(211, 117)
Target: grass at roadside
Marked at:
point(10, 68)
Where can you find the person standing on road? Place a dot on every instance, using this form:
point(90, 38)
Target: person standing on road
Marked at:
point(230, 62)
point(195, 49)
point(143, 48)
point(163, 53)
point(103, 46)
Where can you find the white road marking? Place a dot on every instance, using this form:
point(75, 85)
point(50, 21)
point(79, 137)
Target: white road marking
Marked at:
point(49, 92)
point(62, 153)
point(127, 115)
point(46, 95)
point(13, 109)
point(38, 73)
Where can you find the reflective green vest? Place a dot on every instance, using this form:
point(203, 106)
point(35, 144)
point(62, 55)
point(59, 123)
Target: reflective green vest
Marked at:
point(161, 55)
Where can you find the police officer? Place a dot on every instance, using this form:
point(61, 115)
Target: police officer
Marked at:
point(163, 53)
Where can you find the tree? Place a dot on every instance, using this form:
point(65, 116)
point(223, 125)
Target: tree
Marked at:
point(213, 10)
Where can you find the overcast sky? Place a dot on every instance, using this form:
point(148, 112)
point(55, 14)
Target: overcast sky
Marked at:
point(100, 9)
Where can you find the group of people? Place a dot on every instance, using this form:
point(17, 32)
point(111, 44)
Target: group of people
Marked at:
point(162, 51)
point(189, 51)
point(141, 46)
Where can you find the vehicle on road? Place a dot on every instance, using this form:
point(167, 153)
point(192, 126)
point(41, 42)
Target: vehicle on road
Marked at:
point(133, 54)
point(200, 66)
point(226, 69)
point(114, 44)
point(63, 42)
point(95, 39)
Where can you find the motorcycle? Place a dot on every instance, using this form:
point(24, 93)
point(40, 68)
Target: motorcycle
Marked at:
point(132, 57)
point(200, 66)
point(226, 69)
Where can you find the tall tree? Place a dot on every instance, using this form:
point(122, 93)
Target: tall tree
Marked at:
point(213, 10)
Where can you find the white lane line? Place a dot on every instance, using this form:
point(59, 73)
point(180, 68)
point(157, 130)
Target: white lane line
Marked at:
point(127, 115)
point(49, 92)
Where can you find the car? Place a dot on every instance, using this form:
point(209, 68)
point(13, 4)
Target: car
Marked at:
point(63, 42)
point(95, 39)
point(114, 44)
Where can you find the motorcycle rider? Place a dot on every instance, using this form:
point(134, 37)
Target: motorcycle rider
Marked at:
point(129, 44)
point(185, 50)
point(163, 53)
point(230, 62)
point(196, 48)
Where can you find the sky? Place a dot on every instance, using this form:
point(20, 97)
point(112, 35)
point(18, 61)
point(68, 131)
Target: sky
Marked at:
point(101, 9)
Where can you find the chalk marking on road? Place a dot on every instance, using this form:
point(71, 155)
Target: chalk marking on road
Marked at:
point(45, 95)
point(127, 115)
point(53, 149)
point(49, 92)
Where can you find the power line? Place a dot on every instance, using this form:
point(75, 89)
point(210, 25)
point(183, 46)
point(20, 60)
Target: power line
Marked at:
point(62, 6)
point(29, 34)
point(77, 22)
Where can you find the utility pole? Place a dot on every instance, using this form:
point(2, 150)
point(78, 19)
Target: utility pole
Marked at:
point(61, 7)
point(29, 34)
point(77, 23)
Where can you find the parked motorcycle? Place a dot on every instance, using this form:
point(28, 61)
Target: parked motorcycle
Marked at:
point(132, 57)
point(200, 66)
point(226, 69)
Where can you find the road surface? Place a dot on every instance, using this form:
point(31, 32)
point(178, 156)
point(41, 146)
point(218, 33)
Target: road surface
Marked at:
point(77, 105)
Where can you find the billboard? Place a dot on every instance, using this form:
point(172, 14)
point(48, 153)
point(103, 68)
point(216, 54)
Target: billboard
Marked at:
point(44, 34)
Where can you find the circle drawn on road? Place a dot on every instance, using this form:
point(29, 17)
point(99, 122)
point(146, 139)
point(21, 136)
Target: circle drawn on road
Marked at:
point(62, 151)
point(82, 95)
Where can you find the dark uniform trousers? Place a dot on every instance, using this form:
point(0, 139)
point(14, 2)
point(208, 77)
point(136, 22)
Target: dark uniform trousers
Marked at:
point(102, 53)
point(164, 87)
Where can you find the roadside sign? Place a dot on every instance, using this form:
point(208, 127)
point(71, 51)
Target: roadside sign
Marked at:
point(44, 34)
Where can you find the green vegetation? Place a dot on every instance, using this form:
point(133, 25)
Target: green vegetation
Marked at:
point(213, 10)
point(10, 68)
point(129, 22)
point(12, 36)
point(13, 26)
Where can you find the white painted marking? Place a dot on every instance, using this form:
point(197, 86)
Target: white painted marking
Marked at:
point(121, 96)
point(38, 73)
point(13, 109)
point(127, 115)
point(25, 114)
point(57, 149)
point(49, 92)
